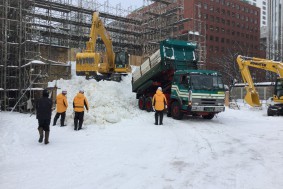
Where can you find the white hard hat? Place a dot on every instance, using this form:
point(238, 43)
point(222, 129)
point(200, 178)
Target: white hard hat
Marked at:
point(159, 88)
point(81, 91)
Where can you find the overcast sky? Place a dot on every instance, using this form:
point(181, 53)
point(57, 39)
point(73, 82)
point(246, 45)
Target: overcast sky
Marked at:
point(125, 3)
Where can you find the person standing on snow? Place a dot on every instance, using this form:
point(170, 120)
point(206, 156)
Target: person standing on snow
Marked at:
point(43, 114)
point(61, 107)
point(79, 104)
point(159, 103)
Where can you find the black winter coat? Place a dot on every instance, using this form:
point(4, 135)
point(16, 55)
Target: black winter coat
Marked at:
point(44, 108)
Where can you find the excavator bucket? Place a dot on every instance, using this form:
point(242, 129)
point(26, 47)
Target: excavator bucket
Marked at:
point(252, 99)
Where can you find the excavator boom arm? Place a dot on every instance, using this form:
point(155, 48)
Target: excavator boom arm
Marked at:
point(252, 97)
point(98, 29)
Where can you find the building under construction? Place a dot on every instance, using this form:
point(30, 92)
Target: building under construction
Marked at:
point(39, 37)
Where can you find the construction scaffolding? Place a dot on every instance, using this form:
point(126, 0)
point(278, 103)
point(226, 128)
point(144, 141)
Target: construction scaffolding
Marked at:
point(38, 37)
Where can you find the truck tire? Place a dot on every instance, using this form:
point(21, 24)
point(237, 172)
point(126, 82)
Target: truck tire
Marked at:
point(148, 104)
point(141, 102)
point(176, 111)
point(209, 116)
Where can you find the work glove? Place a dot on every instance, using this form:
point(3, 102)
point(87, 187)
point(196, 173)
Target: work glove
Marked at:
point(165, 106)
point(153, 109)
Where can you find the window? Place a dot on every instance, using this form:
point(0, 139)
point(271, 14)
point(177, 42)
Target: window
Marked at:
point(228, 22)
point(237, 7)
point(216, 39)
point(222, 40)
point(217, 29)
point(205, 6)
point(263, 13)
point(217, 10)
point(217, 19)
point(211, 18)
point(237, 16)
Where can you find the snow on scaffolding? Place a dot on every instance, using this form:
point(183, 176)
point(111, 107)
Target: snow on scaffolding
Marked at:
point(33, 62)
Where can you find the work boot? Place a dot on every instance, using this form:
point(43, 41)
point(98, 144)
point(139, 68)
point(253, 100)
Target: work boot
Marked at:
point(161, 119)
point(62, 123)
point(40, 130)
point(46, 139)
point(76, 125)
point(156, 119)
point(54, 121)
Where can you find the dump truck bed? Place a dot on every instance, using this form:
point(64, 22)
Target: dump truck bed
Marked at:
point(172, 55)
point(150, 68)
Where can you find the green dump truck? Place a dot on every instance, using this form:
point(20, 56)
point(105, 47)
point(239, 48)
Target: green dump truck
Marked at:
point(188, 90)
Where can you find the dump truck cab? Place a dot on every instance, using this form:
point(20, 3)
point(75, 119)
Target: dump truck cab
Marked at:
point(198, 93)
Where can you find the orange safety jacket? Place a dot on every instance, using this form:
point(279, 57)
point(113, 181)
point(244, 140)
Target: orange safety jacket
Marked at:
point(159, 101)
point(80, 102)
point(61, 103)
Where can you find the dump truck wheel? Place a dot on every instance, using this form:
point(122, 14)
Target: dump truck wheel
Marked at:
point(176, 111)
point(141, 103)
point(148, 104)
point(209, 116)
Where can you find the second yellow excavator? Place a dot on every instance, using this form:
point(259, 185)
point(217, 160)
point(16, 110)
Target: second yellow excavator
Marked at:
point(252, 97)
point(93, 64)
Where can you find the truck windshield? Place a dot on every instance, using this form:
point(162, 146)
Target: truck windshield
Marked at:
point(207, 82)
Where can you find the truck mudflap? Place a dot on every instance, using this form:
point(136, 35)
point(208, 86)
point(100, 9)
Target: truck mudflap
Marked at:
point(209, 109)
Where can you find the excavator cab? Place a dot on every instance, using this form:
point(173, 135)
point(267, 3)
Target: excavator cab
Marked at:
point(122, 62)
point(278, 92)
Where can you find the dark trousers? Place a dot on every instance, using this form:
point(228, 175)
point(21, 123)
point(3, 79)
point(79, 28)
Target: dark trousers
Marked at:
point(160, 114)
point(63, 115)
point(79, 117)
point(44, 123)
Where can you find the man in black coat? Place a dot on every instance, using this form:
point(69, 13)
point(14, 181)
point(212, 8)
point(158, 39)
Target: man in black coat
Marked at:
point(43, 114)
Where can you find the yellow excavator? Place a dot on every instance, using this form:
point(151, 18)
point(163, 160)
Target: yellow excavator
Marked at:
point(90, 63)
point(252, 97)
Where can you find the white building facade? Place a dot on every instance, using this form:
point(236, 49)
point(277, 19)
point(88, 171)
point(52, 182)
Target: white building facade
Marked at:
point(275, 30)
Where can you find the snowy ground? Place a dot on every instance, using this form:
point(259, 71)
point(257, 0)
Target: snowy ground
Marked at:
point(121, 148)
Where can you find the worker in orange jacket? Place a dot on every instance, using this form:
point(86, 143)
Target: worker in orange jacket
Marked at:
point(79, 104)
point(159, 103)
point(61, 107)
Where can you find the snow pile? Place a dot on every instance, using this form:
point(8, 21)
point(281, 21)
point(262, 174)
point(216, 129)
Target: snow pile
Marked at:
point(102, 96)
